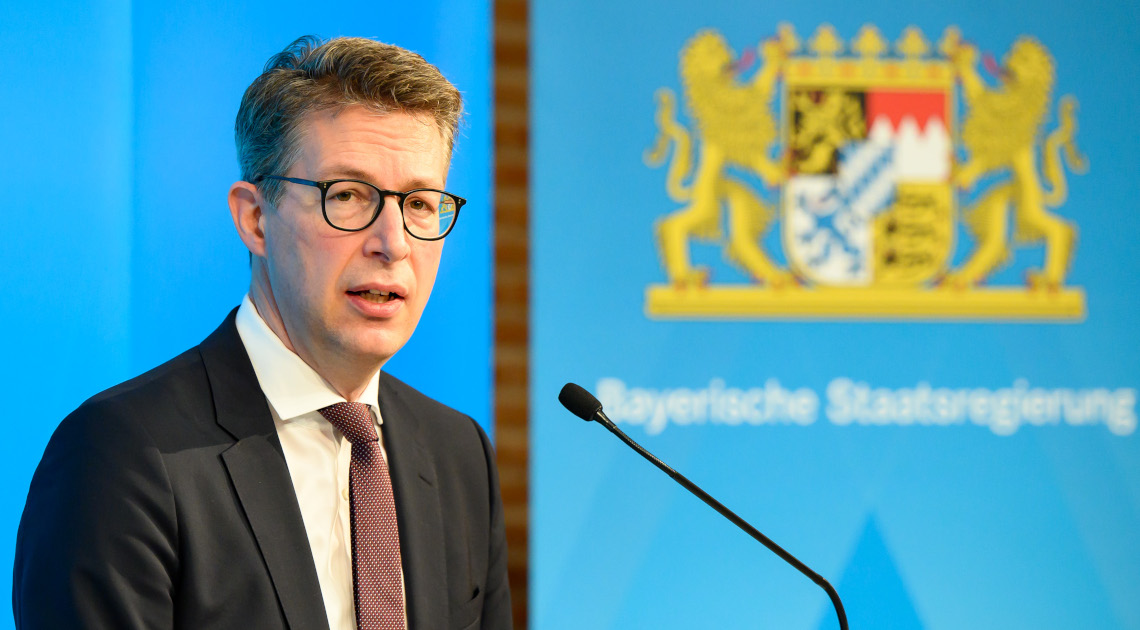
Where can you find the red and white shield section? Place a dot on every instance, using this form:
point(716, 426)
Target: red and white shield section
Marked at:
point(917, 124)
point(829, 218)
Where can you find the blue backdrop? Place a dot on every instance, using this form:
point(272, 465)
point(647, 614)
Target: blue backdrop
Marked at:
point(942, 471)
point(116, 146)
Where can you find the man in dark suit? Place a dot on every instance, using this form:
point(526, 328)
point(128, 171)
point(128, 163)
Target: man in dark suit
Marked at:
point(273, 476)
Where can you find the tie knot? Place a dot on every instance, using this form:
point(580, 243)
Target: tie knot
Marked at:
point(353, 419)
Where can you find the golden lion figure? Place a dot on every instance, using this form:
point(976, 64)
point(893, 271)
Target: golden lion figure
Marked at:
point(736, 127)
point(828, 121)
point(1000, 133)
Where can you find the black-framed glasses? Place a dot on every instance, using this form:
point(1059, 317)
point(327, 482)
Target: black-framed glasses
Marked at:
point(351, 205)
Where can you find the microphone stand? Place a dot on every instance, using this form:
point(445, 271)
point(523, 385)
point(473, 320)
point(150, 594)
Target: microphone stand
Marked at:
point(730, 515)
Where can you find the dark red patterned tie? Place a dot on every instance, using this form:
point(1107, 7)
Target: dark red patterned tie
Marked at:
point(376, 578)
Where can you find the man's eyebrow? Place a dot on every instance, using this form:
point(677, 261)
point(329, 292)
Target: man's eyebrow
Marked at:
point(354, 173)
point(346, 172)
point(420, 183)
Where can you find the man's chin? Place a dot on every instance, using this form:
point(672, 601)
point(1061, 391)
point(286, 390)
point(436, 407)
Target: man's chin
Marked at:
point(372, 348)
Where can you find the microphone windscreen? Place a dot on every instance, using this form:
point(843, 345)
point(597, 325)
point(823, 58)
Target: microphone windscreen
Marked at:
point(579, 401)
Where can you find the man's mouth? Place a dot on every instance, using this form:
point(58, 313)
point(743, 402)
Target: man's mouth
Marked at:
point(375, 295)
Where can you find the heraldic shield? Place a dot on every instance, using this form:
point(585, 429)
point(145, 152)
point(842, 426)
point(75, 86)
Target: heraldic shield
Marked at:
point(868, 199)
point(863, 152)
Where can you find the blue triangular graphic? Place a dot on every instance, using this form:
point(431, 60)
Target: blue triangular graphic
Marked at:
point(873, 593)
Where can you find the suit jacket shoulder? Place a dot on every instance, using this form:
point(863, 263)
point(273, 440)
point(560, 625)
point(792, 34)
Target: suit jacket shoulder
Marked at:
point(102, 490)
point(134, 519)
point(452, 431)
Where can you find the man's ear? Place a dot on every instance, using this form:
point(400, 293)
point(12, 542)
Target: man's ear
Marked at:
point(249, 216)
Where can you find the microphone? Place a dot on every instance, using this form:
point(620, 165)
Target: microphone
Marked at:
point(584, 405)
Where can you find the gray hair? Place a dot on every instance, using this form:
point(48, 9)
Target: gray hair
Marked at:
point(311, 76)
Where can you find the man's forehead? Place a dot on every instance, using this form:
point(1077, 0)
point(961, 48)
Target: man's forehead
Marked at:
point(401, 129)
point(369, 111)
point(344, 142)
point(382, 110)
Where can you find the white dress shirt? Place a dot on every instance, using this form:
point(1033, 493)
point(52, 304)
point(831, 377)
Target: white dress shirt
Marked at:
point(317, 454)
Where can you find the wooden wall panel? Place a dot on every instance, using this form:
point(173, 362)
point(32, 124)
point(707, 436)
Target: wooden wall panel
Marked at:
point(511, 77)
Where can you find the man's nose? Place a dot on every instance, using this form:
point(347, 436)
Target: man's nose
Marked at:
point(388, 237)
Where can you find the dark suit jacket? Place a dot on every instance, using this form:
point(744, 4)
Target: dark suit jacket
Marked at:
point(165, 502)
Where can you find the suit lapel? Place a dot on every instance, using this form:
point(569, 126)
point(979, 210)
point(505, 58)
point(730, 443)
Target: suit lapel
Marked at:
point(257, 468)
point(420, 517)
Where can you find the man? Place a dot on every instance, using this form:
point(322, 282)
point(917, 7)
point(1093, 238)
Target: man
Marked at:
point(273, 477)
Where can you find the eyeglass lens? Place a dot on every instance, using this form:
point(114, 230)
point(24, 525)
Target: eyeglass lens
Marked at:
point(352, 205)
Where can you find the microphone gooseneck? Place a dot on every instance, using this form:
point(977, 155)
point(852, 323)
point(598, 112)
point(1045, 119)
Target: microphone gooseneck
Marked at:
point(584, 405)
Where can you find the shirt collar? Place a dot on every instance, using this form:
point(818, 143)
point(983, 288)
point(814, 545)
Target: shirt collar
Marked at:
point(289, 384)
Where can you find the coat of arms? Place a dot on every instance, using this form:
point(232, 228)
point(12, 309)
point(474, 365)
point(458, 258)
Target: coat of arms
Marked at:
point(863, 160)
